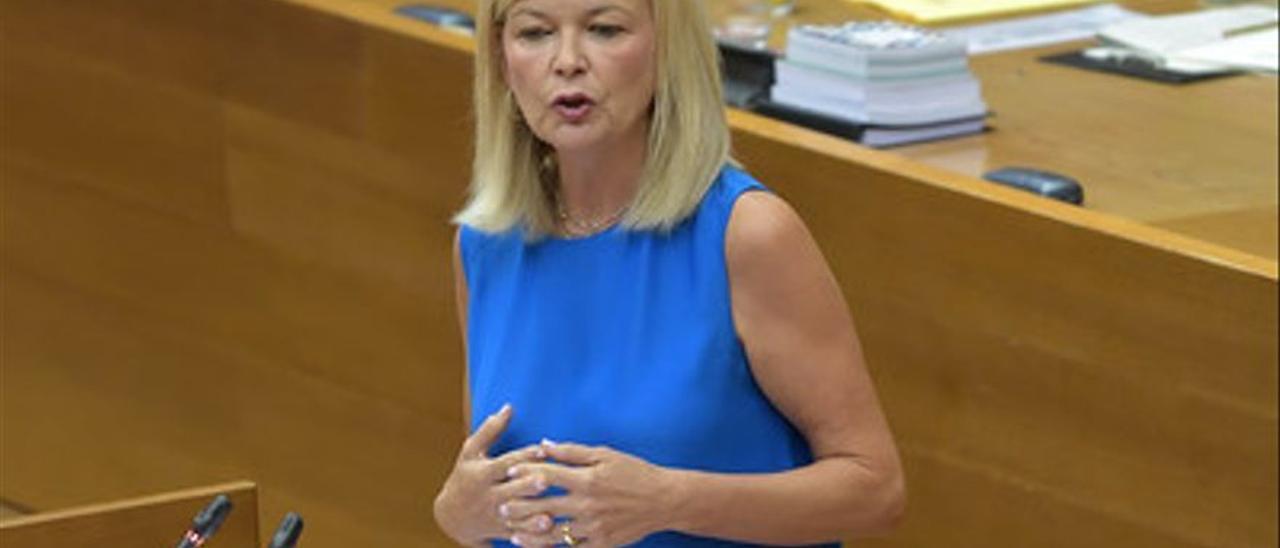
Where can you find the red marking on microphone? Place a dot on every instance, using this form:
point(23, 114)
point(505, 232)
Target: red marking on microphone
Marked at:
point(196, 538)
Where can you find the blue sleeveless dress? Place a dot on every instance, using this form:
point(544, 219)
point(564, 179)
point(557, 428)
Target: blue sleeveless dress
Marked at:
point(624, 339)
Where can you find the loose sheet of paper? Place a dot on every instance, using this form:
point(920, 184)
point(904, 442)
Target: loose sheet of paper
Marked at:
point(1040, 30)
point(1252, 51)
point(945, 11)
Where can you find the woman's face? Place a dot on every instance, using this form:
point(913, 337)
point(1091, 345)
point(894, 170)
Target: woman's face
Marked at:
point(582, 71)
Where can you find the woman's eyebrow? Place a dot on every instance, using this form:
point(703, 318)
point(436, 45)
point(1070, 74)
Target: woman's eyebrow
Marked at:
point(526, 11)
point(607, 8)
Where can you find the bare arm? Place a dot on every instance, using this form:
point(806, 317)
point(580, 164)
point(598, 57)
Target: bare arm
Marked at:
point(804, 353)
point(460, 299)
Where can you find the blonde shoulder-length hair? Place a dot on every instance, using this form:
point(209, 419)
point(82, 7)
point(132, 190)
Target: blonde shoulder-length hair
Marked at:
point(513, 173)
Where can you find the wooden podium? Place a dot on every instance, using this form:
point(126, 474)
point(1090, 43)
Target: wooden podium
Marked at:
point(154, 520)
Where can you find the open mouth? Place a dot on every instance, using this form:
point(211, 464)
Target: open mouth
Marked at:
point(572, 106)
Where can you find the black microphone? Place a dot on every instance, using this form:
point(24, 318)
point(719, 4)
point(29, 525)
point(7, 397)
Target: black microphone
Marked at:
point(206, 523)
point(288, 532)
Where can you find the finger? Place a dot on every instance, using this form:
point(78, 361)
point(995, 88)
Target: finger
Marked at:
point(541, 540)
point(569, 478)
point(502, 464)
point(556, 536)
point(528, 486)
point(573, 453)
point(528, 541)
point(533, 525)
point(520, 509)
point(536, 540)
point(478, 443)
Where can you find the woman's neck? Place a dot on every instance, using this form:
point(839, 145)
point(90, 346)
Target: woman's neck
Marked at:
point(598, 183)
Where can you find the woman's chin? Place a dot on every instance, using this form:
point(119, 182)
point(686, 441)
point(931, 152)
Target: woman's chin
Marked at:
point(569, 138)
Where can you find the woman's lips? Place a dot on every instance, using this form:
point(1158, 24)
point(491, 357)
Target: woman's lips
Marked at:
point(573, 108)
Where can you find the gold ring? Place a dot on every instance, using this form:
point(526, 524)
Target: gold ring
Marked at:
point(567, 535)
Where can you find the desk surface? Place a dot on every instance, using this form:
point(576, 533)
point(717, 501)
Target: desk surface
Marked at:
point(1196, 159)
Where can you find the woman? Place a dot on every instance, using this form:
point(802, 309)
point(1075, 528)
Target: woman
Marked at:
point(629, 294)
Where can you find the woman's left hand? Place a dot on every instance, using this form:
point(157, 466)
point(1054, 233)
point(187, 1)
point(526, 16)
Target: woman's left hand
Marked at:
point(612, 498)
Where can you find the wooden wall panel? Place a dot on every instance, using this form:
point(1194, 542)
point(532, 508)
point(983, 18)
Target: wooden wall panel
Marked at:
point(181, 45)
point(229, 258)
point(91, 120)
point(231, 266)
point(300, 64)
point(250, 365)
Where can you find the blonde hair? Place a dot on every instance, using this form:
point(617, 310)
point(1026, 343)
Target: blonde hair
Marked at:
point(513, 173)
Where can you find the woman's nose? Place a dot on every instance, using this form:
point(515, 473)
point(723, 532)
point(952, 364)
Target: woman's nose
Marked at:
point(569, 60)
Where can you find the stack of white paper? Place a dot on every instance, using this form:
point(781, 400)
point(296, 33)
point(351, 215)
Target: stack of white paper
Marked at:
point(877, 73)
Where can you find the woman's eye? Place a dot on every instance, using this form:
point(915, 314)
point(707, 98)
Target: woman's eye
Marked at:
point(532, 33)
point(606, 31)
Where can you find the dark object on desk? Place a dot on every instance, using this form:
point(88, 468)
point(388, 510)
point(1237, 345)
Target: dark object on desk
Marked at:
point(1134, 67)
point(448, 18)
point(747, 74)
point(872, 135)
point(1044, 183)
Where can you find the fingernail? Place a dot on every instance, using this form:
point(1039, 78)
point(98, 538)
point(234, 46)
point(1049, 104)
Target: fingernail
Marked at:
point(544, 523)
point(503, 510)
point(516, 541)
point(540, 483)
point(547, 443)
point(540, 453)
point(512, 472)
point(505, 407)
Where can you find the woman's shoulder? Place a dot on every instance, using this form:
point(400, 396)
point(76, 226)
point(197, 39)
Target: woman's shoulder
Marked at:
point(751, 206)
point(762, 220)
point(760, 224)
point(473, 242)
point(731, 183)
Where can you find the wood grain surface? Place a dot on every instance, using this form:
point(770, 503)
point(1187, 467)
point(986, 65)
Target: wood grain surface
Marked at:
point(225, 255)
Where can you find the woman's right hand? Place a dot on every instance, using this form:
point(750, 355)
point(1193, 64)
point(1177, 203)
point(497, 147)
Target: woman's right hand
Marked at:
point(467, 508)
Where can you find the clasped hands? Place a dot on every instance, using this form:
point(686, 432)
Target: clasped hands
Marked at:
point(611, 498)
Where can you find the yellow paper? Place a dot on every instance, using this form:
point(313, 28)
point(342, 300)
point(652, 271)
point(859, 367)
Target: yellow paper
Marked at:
point(947, 11)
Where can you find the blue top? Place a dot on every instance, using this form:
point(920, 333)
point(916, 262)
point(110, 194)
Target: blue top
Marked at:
point(624, 339)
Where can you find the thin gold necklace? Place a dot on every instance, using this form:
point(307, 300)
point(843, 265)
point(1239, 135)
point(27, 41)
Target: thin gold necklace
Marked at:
point(576, 227)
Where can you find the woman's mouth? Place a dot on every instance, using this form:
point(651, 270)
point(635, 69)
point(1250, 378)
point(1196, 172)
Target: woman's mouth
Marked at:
point(573, 107)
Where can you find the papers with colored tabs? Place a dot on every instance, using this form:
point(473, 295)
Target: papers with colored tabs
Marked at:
point(947, 11)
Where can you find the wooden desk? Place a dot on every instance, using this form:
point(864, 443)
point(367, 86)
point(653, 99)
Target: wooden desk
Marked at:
point(259, 209)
